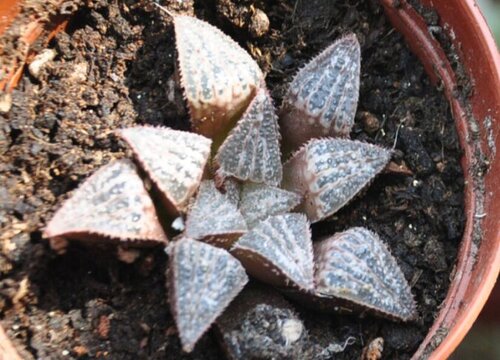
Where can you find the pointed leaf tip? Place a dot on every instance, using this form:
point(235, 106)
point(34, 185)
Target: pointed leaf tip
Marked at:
point(111, 205)
point(356, 266)
point(219, 77)
point(214, 217)
point(174, 161)
point(278, 251)
point(323, 97)
point(330, 172)
point(203, 280)
point(252, 149)
point(259, 201)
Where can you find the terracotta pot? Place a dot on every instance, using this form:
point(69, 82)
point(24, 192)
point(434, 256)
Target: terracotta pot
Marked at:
point(478, 123)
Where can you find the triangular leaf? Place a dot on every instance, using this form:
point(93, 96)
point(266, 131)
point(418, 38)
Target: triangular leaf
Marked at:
point(214, 218)
point(219, 77)
point(356, 266)
point(278, 251)
point(202, 281)
point(259, 201)
point(323, 96)
point(252, 149)
point(112, 205)
point(330, 172)
point(174, 161)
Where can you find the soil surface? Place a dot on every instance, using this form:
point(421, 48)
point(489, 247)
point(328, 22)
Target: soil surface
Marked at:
point(114, 68)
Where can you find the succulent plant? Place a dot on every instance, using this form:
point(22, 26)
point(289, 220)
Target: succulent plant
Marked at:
point(241, 219)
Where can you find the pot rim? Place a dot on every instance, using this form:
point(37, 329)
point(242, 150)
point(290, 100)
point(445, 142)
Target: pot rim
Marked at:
point(471, 284)
point(456, 335)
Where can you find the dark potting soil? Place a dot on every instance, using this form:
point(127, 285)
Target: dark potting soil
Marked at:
point(113, 69)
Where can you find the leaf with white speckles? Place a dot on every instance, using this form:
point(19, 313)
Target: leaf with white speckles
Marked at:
point(112, 205)
point(214, 218)
point(330, 172)
point(252, 149)
point(202, 281)
point(232, 188)
point(219, 77)
point(174, 161)
point(278, 251)
point(323, 96)
point(259, 201)
point(356, 266)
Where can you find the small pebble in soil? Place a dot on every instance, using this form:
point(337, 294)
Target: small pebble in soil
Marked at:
point(5, 102)
point(370, 122)
point(373, 351)
point(40, 61)
point(259, 23)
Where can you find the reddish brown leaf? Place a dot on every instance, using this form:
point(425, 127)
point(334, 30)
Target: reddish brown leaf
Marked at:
point(323, 96)
point(219, 77)
point(278, 251)
point(330, 172)
point(214, 218)
point(252, 152)
point(356, 266)
point(110, 206)
point(174, 161)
